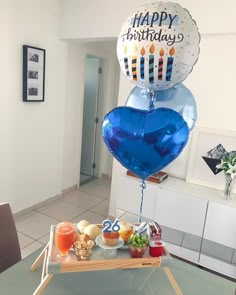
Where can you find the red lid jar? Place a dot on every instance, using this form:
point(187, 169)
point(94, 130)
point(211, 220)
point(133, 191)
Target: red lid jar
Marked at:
point(156, 247)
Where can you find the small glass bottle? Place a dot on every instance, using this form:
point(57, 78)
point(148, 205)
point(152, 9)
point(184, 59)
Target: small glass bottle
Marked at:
point(155, 242)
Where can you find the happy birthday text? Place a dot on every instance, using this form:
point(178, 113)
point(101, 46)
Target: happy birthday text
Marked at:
point(152, 35)
point(154, 18)
point(148, 33)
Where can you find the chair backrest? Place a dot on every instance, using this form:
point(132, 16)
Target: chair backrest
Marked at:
point(9, 244)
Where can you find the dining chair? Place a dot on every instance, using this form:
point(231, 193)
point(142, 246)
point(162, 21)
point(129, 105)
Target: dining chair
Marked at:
point(9, 244)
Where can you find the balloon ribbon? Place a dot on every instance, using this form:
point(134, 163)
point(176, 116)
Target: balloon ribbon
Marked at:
point(151, 101)
point(143, 186)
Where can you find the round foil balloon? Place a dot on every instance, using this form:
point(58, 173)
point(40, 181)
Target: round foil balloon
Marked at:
point(144, 141)
point(178, 98)
point(158, 45)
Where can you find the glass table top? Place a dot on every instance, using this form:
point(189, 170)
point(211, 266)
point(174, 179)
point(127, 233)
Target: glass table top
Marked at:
point(148, 281)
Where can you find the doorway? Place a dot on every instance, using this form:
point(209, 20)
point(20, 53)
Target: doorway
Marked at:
point(92, 118)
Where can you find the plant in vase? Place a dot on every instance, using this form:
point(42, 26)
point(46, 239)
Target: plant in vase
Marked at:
point(228, 165)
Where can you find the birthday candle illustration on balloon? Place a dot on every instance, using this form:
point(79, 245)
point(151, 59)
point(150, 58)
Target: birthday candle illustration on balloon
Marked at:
point(126, 62)
point(151, 64)
point(142, 62)
point(160, 64)
point(170, 64)
point(134, 63)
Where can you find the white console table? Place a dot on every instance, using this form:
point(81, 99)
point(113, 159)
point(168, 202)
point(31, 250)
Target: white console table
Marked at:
point(192, 213)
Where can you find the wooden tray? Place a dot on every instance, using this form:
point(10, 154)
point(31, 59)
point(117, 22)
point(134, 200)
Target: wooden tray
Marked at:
point(57, 264)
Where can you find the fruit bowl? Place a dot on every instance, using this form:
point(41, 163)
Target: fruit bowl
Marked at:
point(137, 252)
point(83, 251)
point(137, 245)
point(83, 254)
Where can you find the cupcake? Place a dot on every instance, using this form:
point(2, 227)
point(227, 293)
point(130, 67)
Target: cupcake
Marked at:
point(110, 238)
point(126, 231)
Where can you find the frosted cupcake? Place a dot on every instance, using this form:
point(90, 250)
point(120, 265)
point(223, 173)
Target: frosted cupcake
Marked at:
point(110, 238)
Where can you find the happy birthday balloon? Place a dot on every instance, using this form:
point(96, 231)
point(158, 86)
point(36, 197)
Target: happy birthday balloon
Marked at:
point(158, 45)
point(178, 98)
point(144, 142)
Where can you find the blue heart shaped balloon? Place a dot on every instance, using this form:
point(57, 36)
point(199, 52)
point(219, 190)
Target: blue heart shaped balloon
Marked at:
point(144, 142)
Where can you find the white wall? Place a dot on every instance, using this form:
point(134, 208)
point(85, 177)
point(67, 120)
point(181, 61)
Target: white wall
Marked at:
point(104, 18)
point(41, 142)
point(73, 116)
point(31, 133)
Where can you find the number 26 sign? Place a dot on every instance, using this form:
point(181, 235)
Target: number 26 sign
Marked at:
point(108, 226)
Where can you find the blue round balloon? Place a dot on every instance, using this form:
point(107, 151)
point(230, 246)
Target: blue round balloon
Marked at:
point(144, 141)
point(177, 98)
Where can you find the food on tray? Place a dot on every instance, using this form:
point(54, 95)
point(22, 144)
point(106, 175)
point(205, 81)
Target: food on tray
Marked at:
point(154, 230)
point(82, 225)
point(156, 248)
point(82, 239)
point(110, 238)
point(141, 228)
point(92, 231)
point(83, 242)
point(83, 247)
point(64, 237)
point(155, 243)
point(137, 245)
point(126, 230)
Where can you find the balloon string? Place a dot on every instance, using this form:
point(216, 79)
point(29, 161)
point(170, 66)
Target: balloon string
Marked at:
point(151, 101)
point(143, 186)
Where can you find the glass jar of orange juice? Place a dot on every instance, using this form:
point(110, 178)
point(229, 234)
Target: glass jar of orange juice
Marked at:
point(64, 237)
point(126, 231)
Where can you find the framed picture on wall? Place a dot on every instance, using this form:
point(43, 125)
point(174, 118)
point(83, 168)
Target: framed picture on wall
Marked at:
point(33, 73)
point(208, 148)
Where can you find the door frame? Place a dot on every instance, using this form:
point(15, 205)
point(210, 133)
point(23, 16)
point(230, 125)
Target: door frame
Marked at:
point(102, 93)
point(100, 112)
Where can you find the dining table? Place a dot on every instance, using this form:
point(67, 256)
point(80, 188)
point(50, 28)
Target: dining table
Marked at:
point(20, 280)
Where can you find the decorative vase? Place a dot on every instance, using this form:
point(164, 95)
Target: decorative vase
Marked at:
point(229, 182)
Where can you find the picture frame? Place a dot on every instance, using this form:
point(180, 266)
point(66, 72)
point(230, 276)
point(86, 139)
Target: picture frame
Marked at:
point(208, 145)
point(33, 73)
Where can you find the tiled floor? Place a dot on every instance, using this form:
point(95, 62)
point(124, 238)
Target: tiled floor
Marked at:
point(90, 202)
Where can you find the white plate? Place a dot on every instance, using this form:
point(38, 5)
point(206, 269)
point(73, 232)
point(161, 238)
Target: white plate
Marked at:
point(100, 243)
